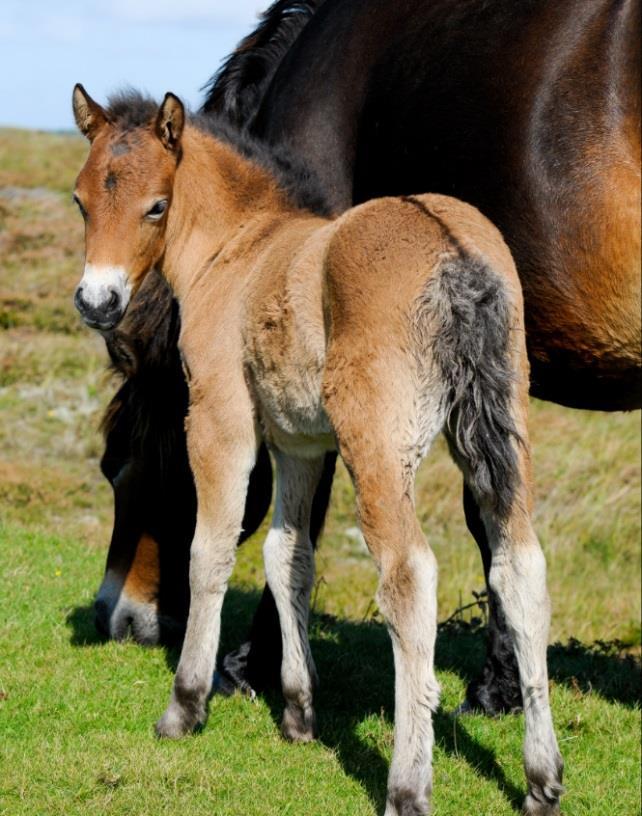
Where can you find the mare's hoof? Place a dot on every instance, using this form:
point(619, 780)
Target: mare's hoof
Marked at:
point(492, 697)
point(299, 725)
point(224, 685)
point(240, 671)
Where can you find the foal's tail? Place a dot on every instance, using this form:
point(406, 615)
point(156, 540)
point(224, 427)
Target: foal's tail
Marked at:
point(469, 312)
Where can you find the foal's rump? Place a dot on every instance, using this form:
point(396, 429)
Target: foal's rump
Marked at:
point(426, 316)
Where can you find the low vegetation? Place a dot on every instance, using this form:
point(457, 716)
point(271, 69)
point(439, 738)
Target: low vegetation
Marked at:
point(76, 713)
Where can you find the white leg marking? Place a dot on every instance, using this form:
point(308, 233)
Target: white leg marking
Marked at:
point(289, 568)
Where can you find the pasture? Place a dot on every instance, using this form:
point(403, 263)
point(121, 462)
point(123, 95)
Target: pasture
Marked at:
point(76, 714)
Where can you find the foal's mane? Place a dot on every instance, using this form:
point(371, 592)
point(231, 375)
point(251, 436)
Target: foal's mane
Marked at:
point(237, 87)
point(128, 110)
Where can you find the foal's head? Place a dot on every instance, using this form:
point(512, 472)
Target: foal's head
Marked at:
point(124, 192)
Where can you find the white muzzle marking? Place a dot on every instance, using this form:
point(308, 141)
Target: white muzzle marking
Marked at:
point(98, 282)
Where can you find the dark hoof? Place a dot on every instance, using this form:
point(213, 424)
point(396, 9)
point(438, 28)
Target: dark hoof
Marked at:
point(492, 695)
point(247, 671)
point(299, 725)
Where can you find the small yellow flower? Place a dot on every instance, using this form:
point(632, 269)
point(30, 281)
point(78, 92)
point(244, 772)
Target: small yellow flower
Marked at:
point(58, 572)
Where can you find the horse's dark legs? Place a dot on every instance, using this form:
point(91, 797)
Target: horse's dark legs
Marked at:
point(497, 689)
point(256, 664)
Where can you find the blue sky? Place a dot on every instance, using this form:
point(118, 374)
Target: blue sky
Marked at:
point(156, 45)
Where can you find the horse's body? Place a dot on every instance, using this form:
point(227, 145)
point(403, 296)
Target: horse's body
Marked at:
point(529, 110)
point(292, 334)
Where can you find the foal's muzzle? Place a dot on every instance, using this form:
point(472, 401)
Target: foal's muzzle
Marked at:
point(103, 296)
point(105, 315)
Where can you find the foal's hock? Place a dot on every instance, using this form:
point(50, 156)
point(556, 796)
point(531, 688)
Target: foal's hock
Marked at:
point(371, 334)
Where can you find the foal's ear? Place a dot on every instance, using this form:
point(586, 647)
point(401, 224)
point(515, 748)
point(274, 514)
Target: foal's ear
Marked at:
point(170, 121)
point(89, 116)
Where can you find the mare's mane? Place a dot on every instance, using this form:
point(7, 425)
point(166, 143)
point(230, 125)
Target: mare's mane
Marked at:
point(237, 88)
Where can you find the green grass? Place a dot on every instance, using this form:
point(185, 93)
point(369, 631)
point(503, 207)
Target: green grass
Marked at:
point(76, 714)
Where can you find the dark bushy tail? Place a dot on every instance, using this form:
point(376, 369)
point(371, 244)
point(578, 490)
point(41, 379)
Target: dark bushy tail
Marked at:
point(470, 317)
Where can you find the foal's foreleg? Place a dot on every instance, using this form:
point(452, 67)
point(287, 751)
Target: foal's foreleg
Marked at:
point(222, 453)
point(289, 569)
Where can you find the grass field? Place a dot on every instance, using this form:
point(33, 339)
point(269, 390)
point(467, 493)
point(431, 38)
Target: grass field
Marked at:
point(76, 713)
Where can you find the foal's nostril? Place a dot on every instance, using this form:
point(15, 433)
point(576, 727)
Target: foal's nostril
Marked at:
point(113, 301)
point(79, 301)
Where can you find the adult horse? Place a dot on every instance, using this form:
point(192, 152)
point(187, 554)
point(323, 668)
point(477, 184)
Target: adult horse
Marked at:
point(530, 111)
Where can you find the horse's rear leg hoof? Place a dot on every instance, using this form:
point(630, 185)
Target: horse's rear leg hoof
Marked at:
point(299, 724)
point(406, 803)
point(535, 807)
point(544, 799)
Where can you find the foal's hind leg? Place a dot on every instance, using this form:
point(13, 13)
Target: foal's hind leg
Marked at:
point(289, 568)
point(370, 403)
point(407, 597)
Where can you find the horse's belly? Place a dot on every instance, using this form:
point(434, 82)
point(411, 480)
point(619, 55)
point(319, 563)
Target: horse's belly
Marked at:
point(291, 414)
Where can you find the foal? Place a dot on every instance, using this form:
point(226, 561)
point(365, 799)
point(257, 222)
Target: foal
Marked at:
point(292, 332)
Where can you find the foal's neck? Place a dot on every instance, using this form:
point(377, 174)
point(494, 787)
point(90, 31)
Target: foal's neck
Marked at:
point(217, 192)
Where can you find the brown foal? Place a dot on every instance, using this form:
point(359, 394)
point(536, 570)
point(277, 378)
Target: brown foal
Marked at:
point(369, 334)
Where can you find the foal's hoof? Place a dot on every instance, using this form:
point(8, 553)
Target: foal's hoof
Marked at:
point(174, 724)
point(543, 801)
point(535, 807)
point(402, 802)
point(299, 725)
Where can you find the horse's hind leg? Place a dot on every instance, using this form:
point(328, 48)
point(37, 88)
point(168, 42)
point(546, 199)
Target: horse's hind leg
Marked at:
point(289, 568)
point(370, 404)
point(517, 577)
point(482, 360)
point(497, 688)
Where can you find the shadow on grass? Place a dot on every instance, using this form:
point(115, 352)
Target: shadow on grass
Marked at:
point(355, 663)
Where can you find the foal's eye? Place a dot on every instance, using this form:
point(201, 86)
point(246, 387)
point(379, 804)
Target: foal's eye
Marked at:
point(157, 210)
point(78, 202)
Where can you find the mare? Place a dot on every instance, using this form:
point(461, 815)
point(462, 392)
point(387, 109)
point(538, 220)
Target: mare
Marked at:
point(528, 110)
point(292, 334)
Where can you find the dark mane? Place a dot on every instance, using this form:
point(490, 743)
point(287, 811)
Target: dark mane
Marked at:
point(300, 183)
point(237, 87)
point(129, 109)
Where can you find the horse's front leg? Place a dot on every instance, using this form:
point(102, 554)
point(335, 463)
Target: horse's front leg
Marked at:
point(222, 449)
